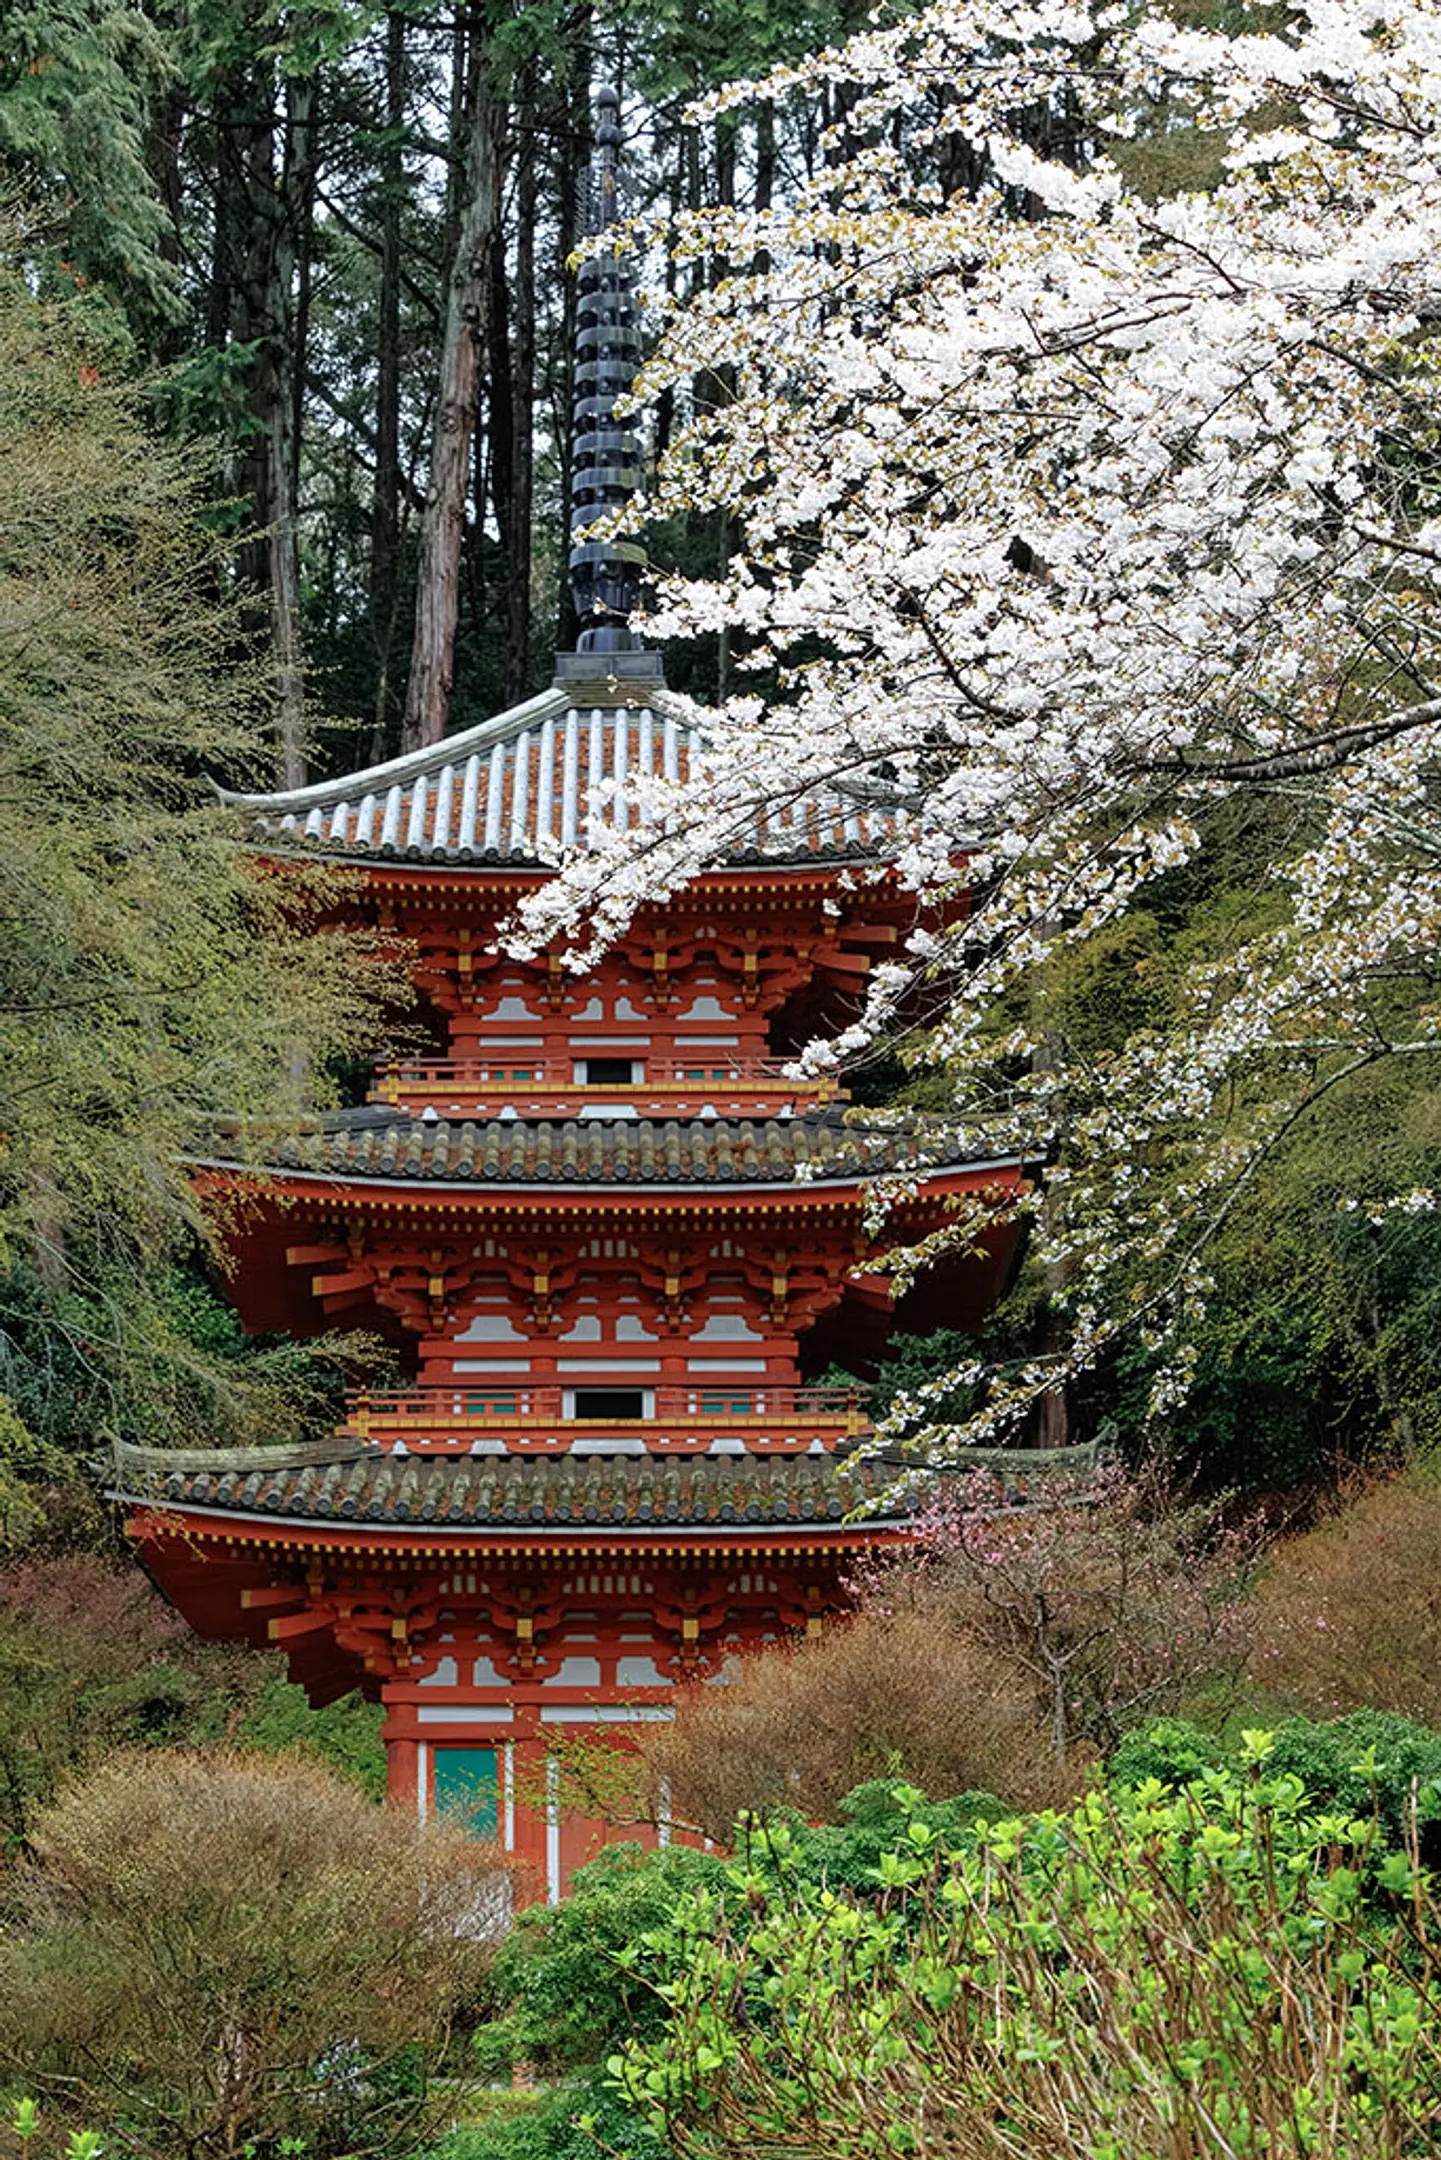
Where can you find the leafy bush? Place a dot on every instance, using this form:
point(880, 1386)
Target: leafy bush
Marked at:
point(847, 1854)
point(212, 1953)
point(579, 2120)
point(1213, 1970)
point(565, 1979)
point(344, 1734)
point(1368, 1763)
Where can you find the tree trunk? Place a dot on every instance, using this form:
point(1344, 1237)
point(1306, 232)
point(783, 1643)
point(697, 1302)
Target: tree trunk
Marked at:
point(385, 513)
point(442, 528)
point(171, 111)
point(301, 159)
point(272, 203)
point(765, 154)
point(516, 531)
point(495, 477)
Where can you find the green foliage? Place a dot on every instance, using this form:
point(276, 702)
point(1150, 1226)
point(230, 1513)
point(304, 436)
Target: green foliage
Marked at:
point(344, 1735)
point(574, 2121)
point(1369, 1763)
point(1321, 1335)
point(1172, 1750)
point(78, 79)
point(566, 1980)
point(914, 1361)
point(156, 1356)
point(29, 1473)
point(28, 2123)
point(846, 1855)
point(1152, 1970)
point(1318, 1337)
point(151, 976)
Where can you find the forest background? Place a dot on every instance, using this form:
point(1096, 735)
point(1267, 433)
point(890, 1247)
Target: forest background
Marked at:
point(287, 327)
point(285, 352)
point(297, 279)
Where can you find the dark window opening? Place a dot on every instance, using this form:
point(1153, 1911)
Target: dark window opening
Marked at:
point(610, 1402)
point(609, 1072)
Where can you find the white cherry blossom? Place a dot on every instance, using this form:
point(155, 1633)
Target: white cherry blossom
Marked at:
point(1058, 530)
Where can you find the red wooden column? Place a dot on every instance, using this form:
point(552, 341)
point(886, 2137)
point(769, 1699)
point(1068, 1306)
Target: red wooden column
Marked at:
point(402, 1768)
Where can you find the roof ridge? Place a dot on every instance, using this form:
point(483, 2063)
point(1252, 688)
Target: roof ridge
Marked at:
point(334, 1448)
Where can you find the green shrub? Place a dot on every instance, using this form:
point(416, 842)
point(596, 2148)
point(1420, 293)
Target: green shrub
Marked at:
point(1172, 1750)
point(344, 1735)
point(1216, 1970)
point(847, 1854)
point(1369, 1762)
point(583, 2120)
point(566, 1981)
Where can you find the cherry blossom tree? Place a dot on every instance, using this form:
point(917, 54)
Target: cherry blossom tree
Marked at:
point(1069, 509)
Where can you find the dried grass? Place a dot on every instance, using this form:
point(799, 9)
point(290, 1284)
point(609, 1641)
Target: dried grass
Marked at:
point(1348, 1616)
point(880, 1694)
point(212, 1952)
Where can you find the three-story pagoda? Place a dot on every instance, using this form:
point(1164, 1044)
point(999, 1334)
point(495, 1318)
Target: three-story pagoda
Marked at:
point(608, 1234)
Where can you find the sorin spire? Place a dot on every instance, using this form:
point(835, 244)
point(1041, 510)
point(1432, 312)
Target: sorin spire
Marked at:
point(605, 574)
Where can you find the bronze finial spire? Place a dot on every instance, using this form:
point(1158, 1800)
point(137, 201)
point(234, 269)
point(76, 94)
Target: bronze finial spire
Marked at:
point(606, 470)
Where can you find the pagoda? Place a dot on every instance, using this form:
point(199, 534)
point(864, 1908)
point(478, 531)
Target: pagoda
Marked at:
point(610, 1235)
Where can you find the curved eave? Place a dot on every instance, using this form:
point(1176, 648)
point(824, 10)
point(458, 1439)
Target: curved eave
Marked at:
point(160, 1520)
point(856, 1185)
point(472, 865)
point(409, 766)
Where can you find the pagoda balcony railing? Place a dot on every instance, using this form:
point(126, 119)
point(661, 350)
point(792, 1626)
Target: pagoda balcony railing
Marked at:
point(670, 1082)
point(545, 1418)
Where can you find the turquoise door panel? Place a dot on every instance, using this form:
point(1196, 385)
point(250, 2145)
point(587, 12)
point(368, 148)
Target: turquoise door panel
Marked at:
point(467, 1786)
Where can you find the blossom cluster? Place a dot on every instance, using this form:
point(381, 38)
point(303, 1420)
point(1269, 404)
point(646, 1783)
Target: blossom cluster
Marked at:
point(1068, 507)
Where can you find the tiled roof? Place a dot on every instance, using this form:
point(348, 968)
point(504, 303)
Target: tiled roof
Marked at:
point(347, 1482)
point(364, 1485)
point(381, 1143)
point(539, 778)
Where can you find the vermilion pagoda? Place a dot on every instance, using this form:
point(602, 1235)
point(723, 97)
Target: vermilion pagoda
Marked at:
point(608, 1235)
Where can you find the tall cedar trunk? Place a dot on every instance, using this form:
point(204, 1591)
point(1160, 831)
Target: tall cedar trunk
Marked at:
point(220, 292)
point(169, 116)
point(442, 527)
point(270, 205)
point(517, 531)
point(385, 514)
point(302, 156)
point(495, 474)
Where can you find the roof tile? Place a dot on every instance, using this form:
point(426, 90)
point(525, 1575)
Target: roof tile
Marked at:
point(477, 797)
point(701, 1151)
point(381, 1489)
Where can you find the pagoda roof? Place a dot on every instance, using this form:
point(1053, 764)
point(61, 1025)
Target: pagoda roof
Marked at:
point(826, 1147)
point(540, 780)
point(358, 1485)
